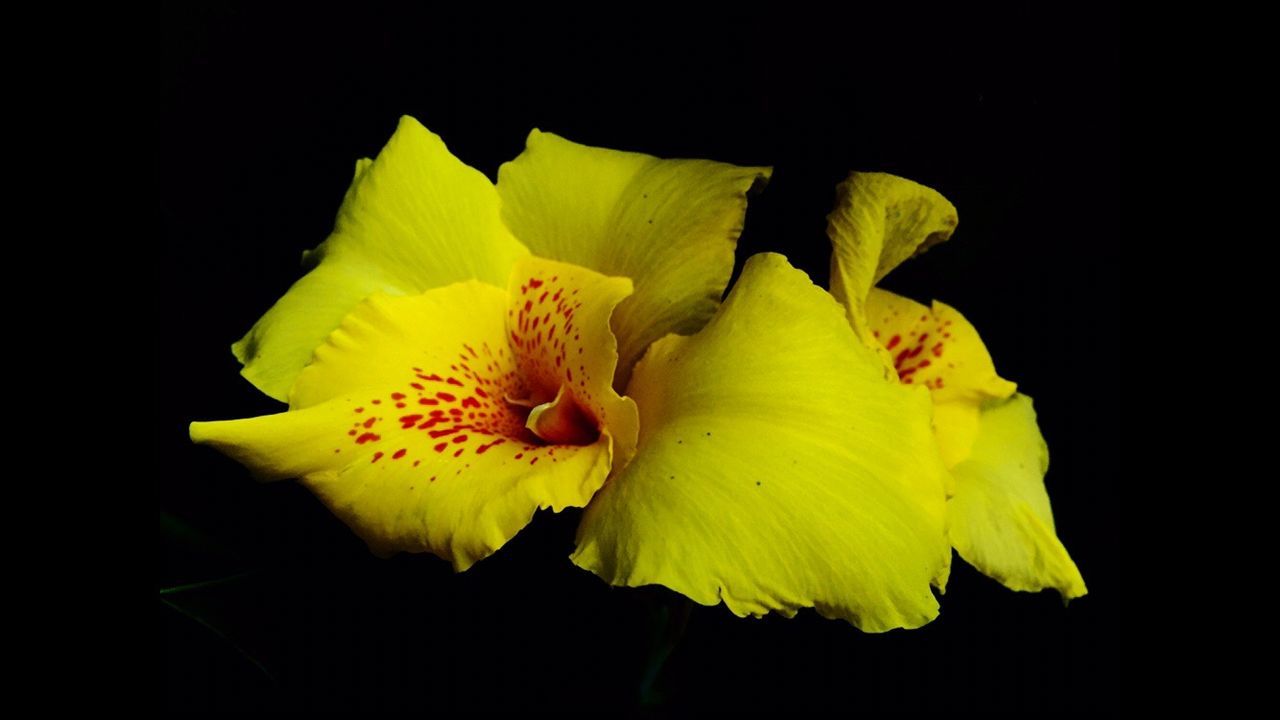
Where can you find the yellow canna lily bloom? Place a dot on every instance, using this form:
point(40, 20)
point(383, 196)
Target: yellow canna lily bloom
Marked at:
point(462, 355)
point(999, 518)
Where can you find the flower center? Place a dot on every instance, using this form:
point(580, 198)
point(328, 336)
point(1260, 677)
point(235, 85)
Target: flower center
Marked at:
point(563, 421)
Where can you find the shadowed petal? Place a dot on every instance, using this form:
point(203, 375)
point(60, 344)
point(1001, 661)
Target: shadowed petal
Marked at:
point(669, 225)
point(414, 218)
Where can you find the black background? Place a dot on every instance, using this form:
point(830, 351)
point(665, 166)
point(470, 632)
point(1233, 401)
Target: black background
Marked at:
point(262, 117)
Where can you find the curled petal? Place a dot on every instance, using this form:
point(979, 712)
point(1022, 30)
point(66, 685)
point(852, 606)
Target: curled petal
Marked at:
point(879, 221)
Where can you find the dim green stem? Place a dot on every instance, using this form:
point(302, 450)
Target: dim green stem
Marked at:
point(670, 618)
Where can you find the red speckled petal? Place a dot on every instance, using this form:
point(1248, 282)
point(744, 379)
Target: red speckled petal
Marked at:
point(402, 426)
point(937, 348)
point(558, 325)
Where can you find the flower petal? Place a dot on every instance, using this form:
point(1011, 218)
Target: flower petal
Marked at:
point(415, 218)
point(1000, 520)
point(939, 349)
point(558, 319)
point(879, 221)
point(776, 468)
point(669, 225)
point(403, 428)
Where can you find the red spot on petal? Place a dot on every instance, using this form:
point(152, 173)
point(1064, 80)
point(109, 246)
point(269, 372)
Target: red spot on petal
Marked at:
point(397, 396)
point(535, 283)
point(417, 386)
point(460, 439)
point(359, 409)
point(446, 396)
point(893, 342)
point(369, 423)
point(454, 381)
point(376, 457)
point(439, 447)
point(409, 421)
point(428, 401)
point(367, 437)
point(399, 454)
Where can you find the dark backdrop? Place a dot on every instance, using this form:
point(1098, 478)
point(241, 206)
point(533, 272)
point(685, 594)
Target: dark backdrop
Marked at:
point(264, 113)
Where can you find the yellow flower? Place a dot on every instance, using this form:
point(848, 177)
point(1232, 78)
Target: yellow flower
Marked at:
point(453, 362)
point(999, 518)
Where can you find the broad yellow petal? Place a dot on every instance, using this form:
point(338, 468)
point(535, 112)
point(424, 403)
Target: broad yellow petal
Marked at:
point(669, 225)
point(776, 468)
point(412, 424)
point(1000, 520)
point(879, 221)
point(414, 218)
point(939, 349)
